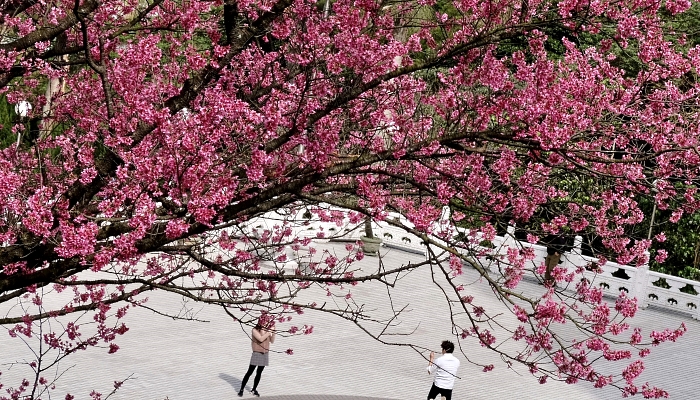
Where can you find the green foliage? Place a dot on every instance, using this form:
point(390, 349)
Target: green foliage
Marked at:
point(661, 282)
point(685, 25)
point(683, 247)
point(682, 242)
point(7, 117)
point(443, 7)
point(689, 289)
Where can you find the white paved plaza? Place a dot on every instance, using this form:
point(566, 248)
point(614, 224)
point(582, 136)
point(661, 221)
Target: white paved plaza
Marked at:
point(181, 360)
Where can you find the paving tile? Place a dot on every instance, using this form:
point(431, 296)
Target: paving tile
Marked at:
point(206, 360)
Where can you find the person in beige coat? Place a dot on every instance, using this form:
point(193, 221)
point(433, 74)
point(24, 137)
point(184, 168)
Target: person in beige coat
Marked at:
point(261, 337)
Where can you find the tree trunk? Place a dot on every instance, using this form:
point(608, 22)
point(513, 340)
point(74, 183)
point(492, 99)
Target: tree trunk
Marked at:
point(368, 228)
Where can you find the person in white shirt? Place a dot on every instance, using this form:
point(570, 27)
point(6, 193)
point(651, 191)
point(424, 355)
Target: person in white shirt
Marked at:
point(445, 370)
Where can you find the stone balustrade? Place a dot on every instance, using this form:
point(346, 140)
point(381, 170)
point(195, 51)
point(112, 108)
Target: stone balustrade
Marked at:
point(649, 287)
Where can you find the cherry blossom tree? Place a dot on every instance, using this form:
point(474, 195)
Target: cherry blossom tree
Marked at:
point(161, 129)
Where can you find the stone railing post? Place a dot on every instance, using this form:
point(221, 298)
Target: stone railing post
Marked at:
point(510, 237)
point(290, 261)
point(439, 227)
point(573, 258)
point(445, 215)
point(577, 245)
point(508, 242)
point(641, 280)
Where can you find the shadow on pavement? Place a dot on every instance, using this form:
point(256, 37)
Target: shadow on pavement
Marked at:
point(234, 382)
point(319, 397)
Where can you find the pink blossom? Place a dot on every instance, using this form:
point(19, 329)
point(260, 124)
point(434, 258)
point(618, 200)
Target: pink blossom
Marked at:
point(478, 311)
point(625, 305)
point(659, 337)
point(661, 256)
point(603, 381)
point(269, 131)
point(80, 241)
point(632, 371)
point(652, 392)
point(519, 333)
point(176, 228)
point(486, 338)
point(677, 6)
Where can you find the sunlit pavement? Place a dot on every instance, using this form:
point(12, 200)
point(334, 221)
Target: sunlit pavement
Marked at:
point(172, 359)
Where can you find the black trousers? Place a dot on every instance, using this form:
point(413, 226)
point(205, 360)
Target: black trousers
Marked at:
point(434, 391)
point(249, 373)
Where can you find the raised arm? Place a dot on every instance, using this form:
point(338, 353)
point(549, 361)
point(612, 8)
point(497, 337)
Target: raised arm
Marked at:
point(260, 335)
